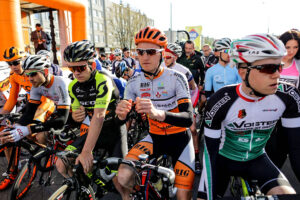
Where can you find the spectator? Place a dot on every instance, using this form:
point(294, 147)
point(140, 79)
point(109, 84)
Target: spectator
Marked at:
point(39, 38)
point(192, 60)
point(103, 60)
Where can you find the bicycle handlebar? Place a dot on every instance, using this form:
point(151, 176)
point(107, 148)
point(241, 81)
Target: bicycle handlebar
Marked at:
point(168, 173)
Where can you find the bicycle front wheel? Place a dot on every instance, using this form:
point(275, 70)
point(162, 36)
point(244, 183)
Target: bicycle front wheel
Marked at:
point(66, 193)
point(23, 181)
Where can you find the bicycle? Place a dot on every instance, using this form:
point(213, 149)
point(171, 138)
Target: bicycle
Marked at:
point(46, 155)
point(152, 181)
point(81, 186)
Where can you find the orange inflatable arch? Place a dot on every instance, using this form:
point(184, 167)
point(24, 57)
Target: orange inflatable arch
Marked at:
point(11, 26)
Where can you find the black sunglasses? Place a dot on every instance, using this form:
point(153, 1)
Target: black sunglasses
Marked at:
point(268, 68)
point(80, 68)
point(15, 62)
point(150, 52)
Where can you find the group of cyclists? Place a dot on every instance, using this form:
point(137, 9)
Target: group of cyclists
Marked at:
point(238, 86)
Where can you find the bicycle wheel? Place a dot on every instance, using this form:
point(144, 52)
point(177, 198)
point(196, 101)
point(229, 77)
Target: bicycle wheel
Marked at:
point(65, 193)
point(23, 181)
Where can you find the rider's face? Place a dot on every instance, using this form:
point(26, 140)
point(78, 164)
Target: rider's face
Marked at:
point(149, 62)
point(169, 58)
point(262, 82)
point(36, 77)
point(16, 68)
point(84, 75)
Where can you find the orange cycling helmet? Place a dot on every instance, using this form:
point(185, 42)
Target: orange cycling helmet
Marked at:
point(13, 53)
point(151, 35)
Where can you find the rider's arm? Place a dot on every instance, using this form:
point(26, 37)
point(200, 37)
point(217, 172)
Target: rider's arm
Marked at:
point(13, 96)
point(184, 118)
point(294, 148)
point(208, 83)
point(29, 113)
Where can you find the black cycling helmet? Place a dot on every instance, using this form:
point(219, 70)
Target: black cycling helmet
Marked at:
point(78, 51)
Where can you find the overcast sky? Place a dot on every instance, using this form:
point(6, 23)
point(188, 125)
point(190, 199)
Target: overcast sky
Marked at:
point(223, 18)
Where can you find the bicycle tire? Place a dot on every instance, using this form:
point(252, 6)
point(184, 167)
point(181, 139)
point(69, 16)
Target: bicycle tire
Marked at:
point(64, 193)
point(23, 181)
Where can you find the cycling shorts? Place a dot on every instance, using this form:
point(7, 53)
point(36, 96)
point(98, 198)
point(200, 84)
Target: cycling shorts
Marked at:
point(179, 146)
point(261, 169)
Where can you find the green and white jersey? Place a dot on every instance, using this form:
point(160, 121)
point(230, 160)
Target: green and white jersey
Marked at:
point(244, 124)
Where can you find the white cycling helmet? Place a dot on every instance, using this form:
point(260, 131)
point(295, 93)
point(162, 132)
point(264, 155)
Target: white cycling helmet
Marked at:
point(117, 52)
point(256, 47)
point(222, 44)
point(44, 53)
point(37, 62)
point(174, 49)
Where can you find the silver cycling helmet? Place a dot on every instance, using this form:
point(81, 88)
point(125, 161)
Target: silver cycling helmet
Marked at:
point(174, 49)
point(222, 44)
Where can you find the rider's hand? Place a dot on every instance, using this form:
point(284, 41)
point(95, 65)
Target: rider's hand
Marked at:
point(146, 106)
point(123, 108)
point(14, 135)
point(86, 160)
point(79, 115)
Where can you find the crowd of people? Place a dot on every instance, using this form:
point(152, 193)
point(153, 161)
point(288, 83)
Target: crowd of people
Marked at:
point(246, 90)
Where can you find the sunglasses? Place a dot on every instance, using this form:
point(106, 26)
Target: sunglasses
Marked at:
point(78, 68)
point(15, 62)
point(268, 68)
point(226, 51)
point(32, 74)
point(168, 57)
point(149, 52)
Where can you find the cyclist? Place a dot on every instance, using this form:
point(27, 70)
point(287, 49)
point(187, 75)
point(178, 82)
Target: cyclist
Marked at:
point(36, 67)
point(172, 52)
point(125, 72)
point(240, 118)
point(118, 58)
point(222, 73)
point(94, 98)
point(54, 69)
point(130, 60)
point(14, 58)
point(162, 94)
point(209, 58)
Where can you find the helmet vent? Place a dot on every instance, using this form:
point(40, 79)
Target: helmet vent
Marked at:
point(150, 33)
point(157, 34)
point(145, 32)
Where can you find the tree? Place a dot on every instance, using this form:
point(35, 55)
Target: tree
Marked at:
point(124, 23)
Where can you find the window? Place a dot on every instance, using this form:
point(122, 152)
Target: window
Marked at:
point(97, 38)
point(101, 27)
point(96, 26)
point(95, 13)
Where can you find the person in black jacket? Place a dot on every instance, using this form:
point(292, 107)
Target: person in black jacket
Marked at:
point(193, 61)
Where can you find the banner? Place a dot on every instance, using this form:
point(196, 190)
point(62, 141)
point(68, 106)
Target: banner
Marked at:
point(195, 35)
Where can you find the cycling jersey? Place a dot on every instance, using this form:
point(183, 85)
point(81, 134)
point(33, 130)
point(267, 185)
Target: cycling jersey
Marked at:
point(166, 91)
point(116, 63)
point(180, 68)
point(243, 124)
point(218, 76)
point(290, 74)
point(56, 90)
point(131, 61)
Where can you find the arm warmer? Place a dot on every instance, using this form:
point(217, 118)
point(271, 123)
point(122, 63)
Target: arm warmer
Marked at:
point(294, 149)
point(56, 123)
point(184, 118)
point(29, 113)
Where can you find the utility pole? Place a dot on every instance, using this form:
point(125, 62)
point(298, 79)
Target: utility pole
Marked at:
point(91, 11)
point(171, 33)
point(105, 25)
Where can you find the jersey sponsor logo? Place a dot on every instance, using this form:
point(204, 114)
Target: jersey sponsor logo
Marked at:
point(182, 81)
point(87, 103)
point(158, 95)
point(288, 89)
point(164, 93)
point(160, 86)
point(145, 94)
point(210, 114)
point(289, 80)
point(142, 148)
point(168, 105)
point(145, 85)
point(145, 89)
point(242, 114)
point(78, 90)
point(250, 125)
point(102, 87)
point(270, 110)
point(181, 172)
